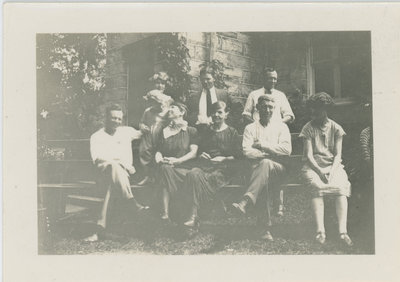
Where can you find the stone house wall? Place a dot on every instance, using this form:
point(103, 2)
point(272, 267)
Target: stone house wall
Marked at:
point(244, 54)
point(117, 66)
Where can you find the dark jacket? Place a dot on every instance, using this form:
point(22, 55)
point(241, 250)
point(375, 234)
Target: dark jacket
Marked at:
point(193, 104)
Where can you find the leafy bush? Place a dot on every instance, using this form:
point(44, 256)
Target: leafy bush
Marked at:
point(174, 56)
point(218, 68)
point(70, 83)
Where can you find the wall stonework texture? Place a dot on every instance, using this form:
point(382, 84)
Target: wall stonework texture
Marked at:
point(243, 54)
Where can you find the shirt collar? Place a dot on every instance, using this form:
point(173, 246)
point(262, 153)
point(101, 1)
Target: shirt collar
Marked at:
point(212, 90)
point(174, 128)
point(178, 125)
point(259, 124)
point(265, 90)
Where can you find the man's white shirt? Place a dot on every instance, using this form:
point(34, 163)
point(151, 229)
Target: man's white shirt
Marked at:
point(282, 106)
point(202, 118)
point(276, 134)
point(117, 147)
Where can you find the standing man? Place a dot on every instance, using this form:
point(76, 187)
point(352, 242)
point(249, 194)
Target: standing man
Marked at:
point(264, 141)
point(283, 111)
point(200, 104)
point(111, 152)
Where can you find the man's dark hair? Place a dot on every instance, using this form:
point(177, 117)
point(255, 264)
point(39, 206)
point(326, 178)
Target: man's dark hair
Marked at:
point(320, 100)
point(207, 70)
point(268, 69)
point(265, 98)
point(113, 107)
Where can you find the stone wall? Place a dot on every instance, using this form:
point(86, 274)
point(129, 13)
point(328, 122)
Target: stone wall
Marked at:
point(117, 66)
point(238, 51)
point(287, 53)
point(243, 54)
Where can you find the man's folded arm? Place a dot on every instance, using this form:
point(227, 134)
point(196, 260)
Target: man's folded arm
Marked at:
point(248, 150)
point(284, 146)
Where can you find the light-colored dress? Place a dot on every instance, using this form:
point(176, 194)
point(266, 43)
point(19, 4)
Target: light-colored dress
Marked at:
point(323, 146)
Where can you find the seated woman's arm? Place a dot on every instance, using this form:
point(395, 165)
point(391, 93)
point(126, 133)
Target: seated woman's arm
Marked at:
point(308, 151)
point(233, 150)
point(338, 155)
point(158, 157)
point(190, 155)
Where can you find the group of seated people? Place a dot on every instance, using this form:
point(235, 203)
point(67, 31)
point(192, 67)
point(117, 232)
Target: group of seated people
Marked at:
point(191, 151)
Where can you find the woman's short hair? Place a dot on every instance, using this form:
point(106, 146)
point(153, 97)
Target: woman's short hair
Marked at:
point(182, 107)
point(163, 76)
point(320, 100)
point(219, 105)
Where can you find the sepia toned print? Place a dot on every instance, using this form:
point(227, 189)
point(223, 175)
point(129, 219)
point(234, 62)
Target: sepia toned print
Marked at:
point(205, 143)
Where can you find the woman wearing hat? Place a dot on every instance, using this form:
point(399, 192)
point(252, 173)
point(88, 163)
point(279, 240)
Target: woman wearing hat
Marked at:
point(152, 117)
point(176, 146)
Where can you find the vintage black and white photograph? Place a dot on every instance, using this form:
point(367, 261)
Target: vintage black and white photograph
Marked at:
point(205, 143)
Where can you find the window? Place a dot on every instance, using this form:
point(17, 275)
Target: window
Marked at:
point(341, 64)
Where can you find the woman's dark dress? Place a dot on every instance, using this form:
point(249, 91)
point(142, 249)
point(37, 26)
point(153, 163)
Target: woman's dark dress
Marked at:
point(211, 176)
point(174, 177)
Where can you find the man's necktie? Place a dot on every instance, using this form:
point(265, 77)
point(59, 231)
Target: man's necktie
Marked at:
point(209, 102)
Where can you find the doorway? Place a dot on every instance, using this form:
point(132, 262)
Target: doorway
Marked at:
point(140, 57)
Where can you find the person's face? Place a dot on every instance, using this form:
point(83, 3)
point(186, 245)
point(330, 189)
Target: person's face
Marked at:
point(174, 112)
point(219, 116)
point(270, 80)
point(207, 81)
point(318, 115)
point(266, 109)
point(114, 119)
point(160, 85)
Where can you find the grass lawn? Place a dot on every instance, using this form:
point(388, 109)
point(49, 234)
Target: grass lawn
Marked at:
point(219, 233)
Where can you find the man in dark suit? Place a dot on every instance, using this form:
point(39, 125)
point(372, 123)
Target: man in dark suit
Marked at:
point(199, 104)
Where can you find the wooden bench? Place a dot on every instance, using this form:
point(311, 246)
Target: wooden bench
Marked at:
point(67, 185)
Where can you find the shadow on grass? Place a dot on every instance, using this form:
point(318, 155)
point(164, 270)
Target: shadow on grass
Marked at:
point(219, 233)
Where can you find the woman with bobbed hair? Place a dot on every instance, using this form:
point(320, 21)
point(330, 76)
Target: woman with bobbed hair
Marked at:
point(160, 80)
point(323, 171)
point(219, 147)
